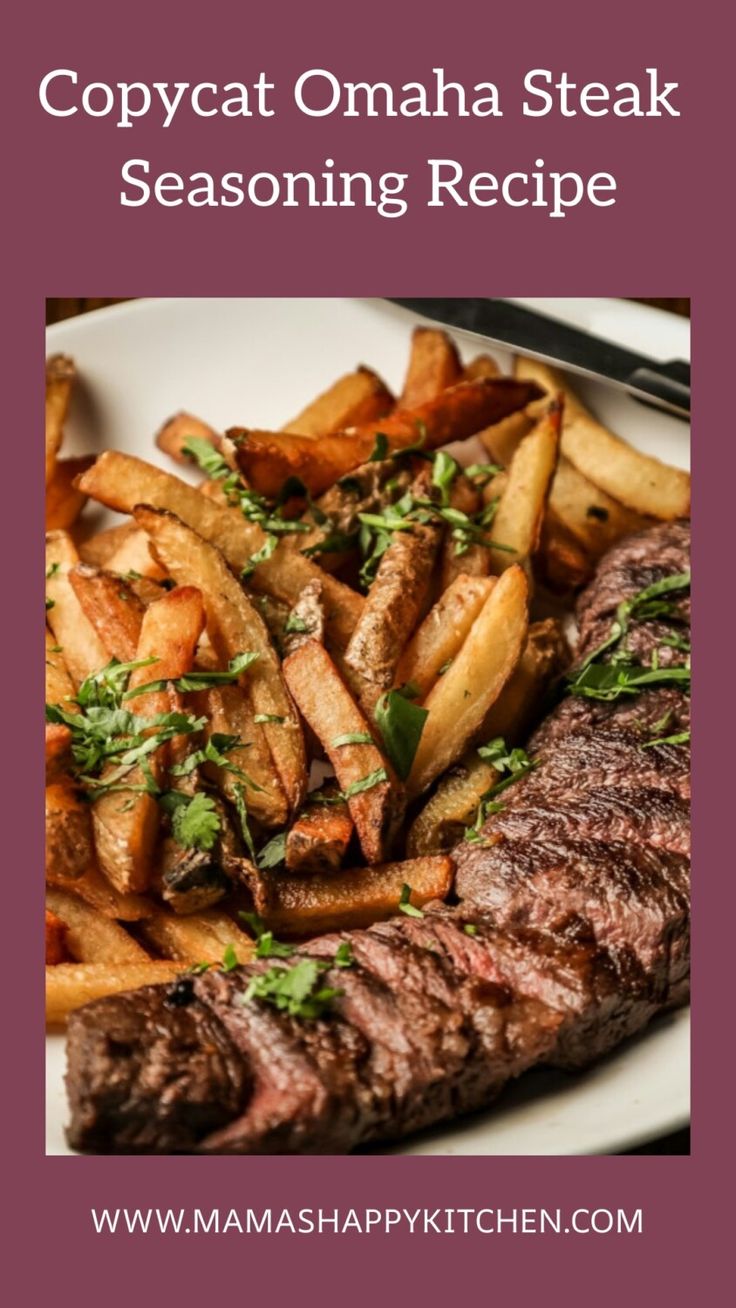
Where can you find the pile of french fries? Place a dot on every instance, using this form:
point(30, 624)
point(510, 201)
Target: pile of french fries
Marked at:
point(336, 618)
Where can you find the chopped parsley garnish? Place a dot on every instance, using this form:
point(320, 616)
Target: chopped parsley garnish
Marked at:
point(514, 763)
point(229, 959)
point(266, 944)
point(470, 929)
point(401, 724)
point(49, 603)
point(380, 449)
point(241, 809)
point(344, 955)
point(268, 717)
point(216, 751)
point(52, 570)
point(197, 969)
point(352, 738)
point(274, 852)
point(620, 675)
point(294, 990)
point(405, 904)
point(365, 783)
point(198, 680)
point(209, 459)
point(679, 738)
point(195, 822)
point(295, 623)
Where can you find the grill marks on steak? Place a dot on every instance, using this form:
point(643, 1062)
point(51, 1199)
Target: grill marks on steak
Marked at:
point(578, 905)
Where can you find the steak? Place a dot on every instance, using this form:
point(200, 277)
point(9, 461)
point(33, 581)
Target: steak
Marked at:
point(571, 931)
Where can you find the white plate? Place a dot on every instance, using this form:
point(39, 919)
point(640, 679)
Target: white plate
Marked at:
point(257, 363)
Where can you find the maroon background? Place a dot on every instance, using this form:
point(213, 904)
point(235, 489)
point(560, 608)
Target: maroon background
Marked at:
point(66, 235)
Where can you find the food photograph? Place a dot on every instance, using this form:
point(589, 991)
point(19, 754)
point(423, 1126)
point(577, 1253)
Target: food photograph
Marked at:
point(367, 726)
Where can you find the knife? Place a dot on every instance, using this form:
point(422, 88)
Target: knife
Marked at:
point(501, 322)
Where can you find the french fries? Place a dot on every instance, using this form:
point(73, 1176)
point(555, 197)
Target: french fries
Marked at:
point(60, 374)
point(438, 638)
point(70, 985)
point(69, 850)
point(126, 824)
point(318, 840)
point(199, 938)
point(394, 604)
point(304, 906)
point(567, 490)
point(176, 431)
point(90, 937)
point(444, 818)
point(235, 626)
point(269, 458)
point(433, 366)
point(326, 705)
point(518, 521)
point(358, 397)
point(64, 502)
point(635, 479)
point(229, 711)
point(594, 519)
point(460, 700)
point(121, 482)
point(83, 650)
point(112, 607)
point(55, 940)
point(97, 891)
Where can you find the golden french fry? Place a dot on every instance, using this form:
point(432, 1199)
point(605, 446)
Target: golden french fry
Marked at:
point(460, 557)
point(55, 940)
point(358, 397)
point(64, 502)
point(339, 901)
point(595, 519)
point(198, 938)
point(269, 458)
point(121, 482)
point(440, 636)
point(327, 706)
point(562, 562)
point(230, 712)
point(113, 608)
point(90, 936)
point(433, 366)
point(442, 821)
point(460, 700)
point(546, 653)
point(60, 374)
point(638, 480)
point(133, 558)
point(126, 824)
point(59, 685)
point(83, 650)
point(69, 850)
point(481, 366)
point(518, 521)
point(99, 549)
point(318, 840)
point(70, 985)
point(176, 431)
point(96, 890)
point(394, 604)
point(235, 626)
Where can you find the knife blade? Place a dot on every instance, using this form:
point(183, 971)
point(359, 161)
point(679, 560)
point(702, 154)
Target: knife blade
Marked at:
point(501, 322)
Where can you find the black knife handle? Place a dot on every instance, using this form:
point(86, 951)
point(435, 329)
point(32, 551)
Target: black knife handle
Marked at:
point(668, 384)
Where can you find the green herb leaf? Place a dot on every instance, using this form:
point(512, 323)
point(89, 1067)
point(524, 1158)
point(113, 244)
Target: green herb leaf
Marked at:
point(405, 905)
point(294, 990)
point(366, 783)
point(52, 570)
point(195, 824)
point(401, 724)
point(679, 738)
point(197, 680)
point(380, 449)
point(295, 623)
point(268, 717)
point(204, 454)
point(352, 738)
point(344, 955)
point(470, 929)
point(444, 471)
point(229, 959)
point(274, 852)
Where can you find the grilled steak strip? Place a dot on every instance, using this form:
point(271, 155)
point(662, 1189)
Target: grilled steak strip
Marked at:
point(576, 899)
